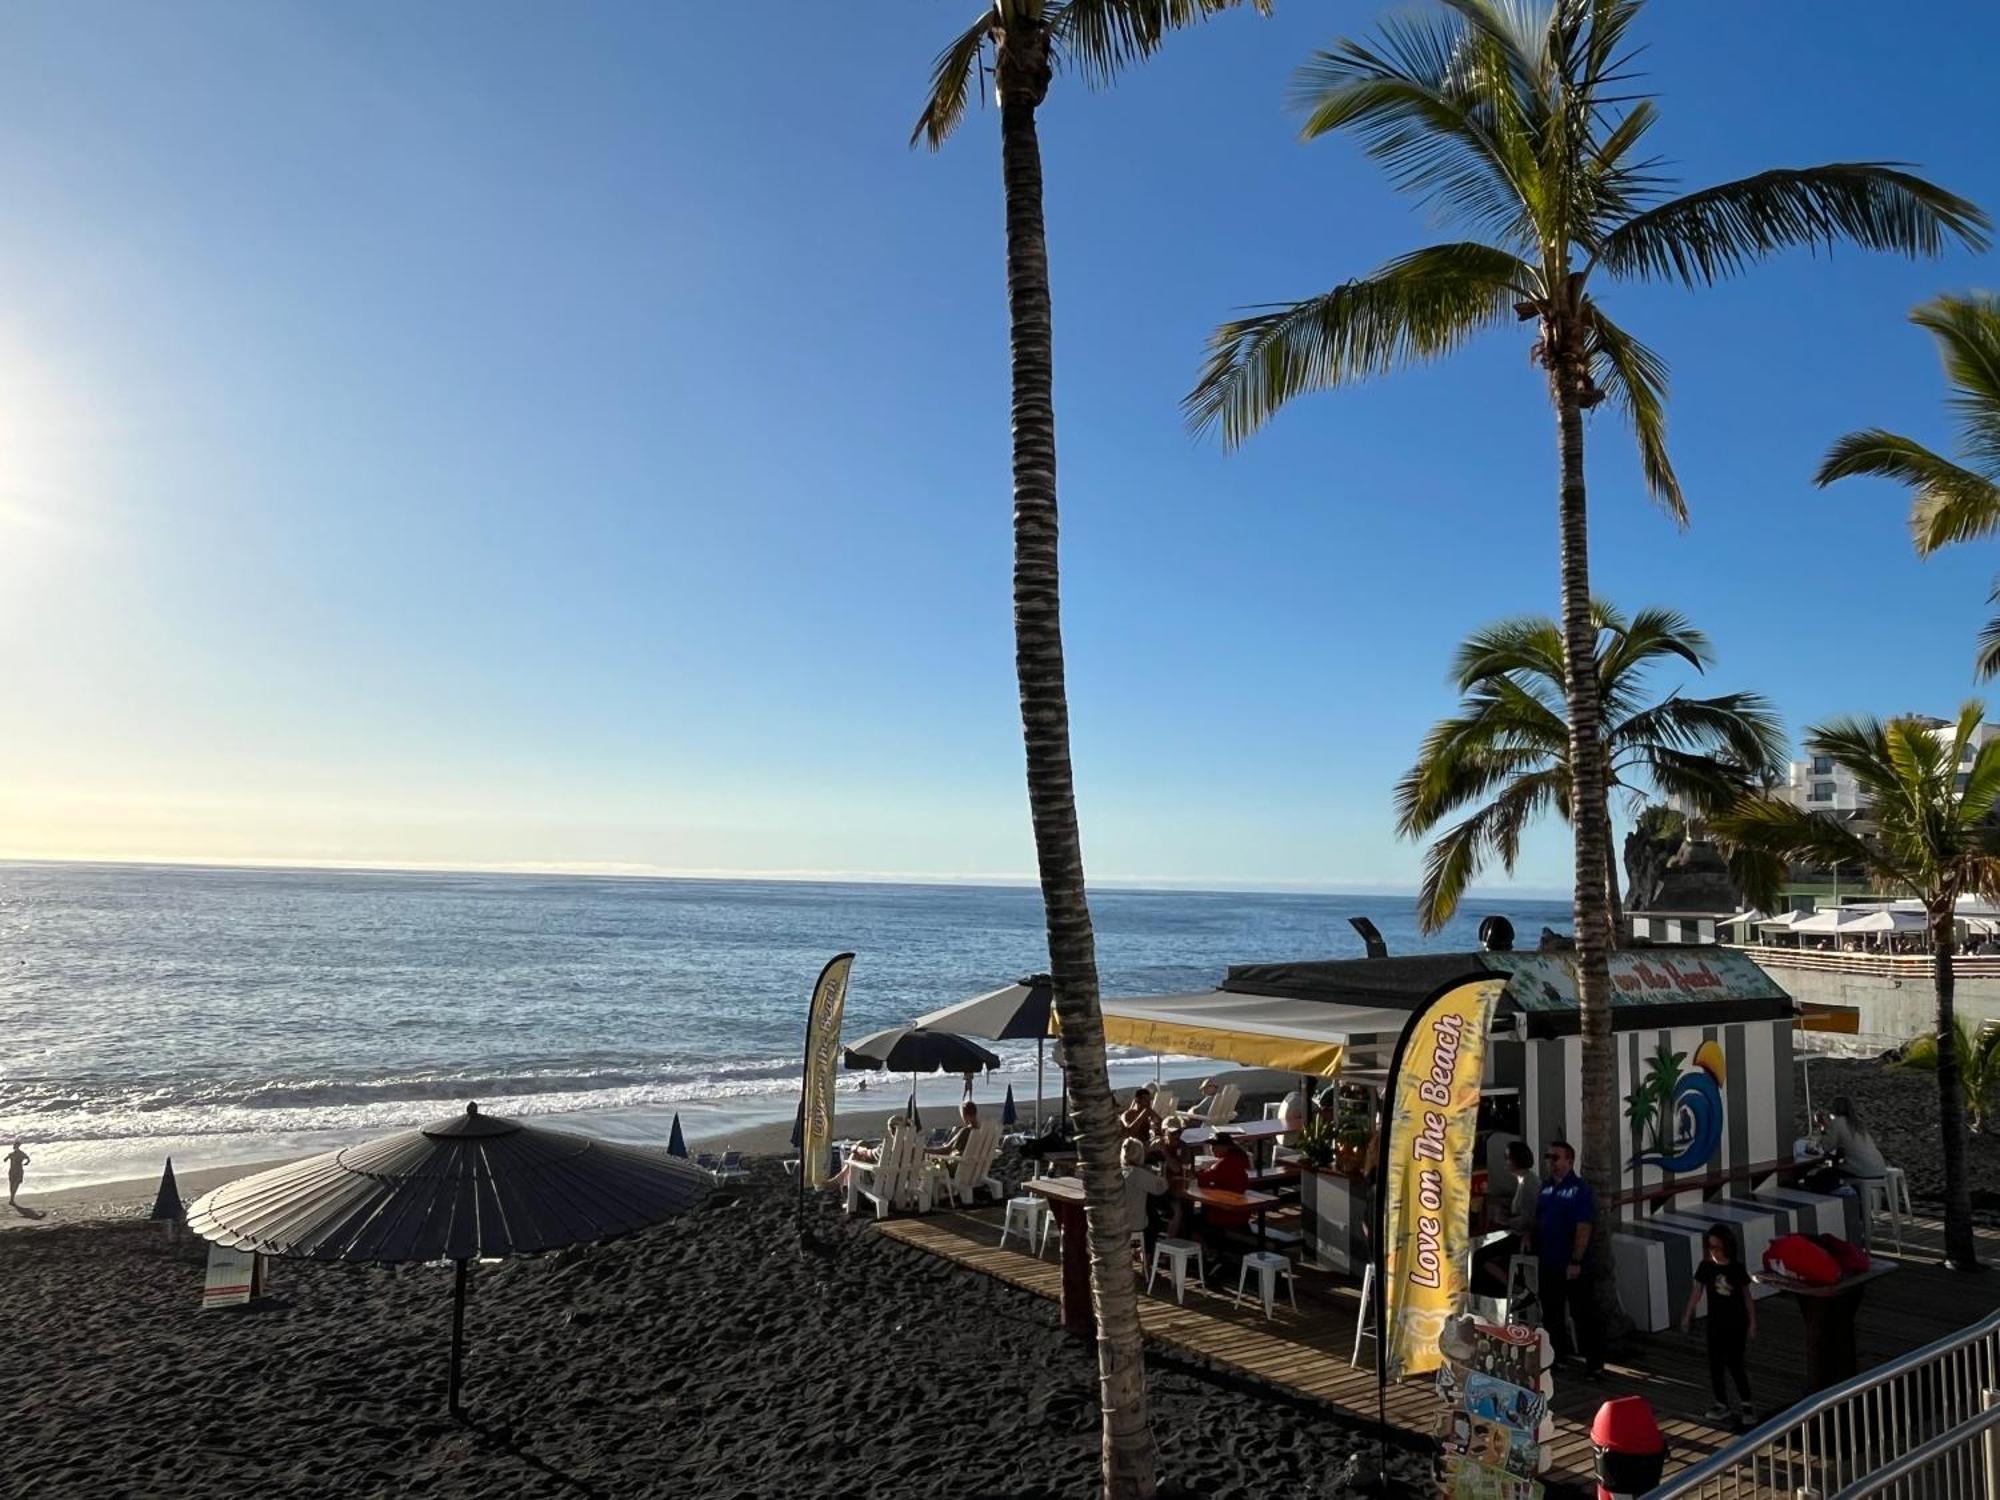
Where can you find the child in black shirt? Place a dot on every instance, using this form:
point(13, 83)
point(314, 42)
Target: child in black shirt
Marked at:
point(1732, 1319)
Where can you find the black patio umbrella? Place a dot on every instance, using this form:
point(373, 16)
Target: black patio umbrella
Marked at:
point(468, 1187)
point(913, 1050)
point(1014, 1012)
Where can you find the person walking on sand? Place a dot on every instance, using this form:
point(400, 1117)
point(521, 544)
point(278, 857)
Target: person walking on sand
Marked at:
point(1732, 1322)
point(17, 1163)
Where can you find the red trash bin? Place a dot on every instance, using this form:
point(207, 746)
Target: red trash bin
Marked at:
point(1631, 1452)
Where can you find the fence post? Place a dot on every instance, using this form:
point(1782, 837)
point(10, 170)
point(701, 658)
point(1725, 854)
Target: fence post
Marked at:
point(1989, 1399)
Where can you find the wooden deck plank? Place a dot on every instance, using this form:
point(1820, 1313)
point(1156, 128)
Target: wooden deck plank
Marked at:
point(1307, 1354)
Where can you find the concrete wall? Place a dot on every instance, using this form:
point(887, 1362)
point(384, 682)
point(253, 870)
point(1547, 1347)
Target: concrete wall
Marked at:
point(1892, 1011)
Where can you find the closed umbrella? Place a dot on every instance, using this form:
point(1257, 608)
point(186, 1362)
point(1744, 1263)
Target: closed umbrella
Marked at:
point(1007, 1112)
point(469, 1187)
point(1011, 1013)
point(676, 1142)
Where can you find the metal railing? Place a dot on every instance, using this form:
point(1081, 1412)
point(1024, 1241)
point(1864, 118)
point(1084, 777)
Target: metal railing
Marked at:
point(1916, 966)
point(1915, 1421)
point(1961, 1464)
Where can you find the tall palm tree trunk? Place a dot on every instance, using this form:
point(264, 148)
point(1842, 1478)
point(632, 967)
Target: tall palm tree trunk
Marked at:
point(1614, 904)
point(1569, 381)
point(1960, 1248)
point(1128, 1456)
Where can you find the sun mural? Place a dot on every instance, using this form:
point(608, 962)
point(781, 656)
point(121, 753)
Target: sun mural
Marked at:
point(1677, 1117)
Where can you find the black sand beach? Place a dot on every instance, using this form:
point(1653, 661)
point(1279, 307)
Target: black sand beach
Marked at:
point(708, 1357)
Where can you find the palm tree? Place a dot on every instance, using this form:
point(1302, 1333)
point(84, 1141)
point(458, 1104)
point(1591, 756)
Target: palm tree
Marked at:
point(1935, 839)
point(1978, 1062)
point(1026, 39)
point(1952, 502)
point(1505, 754)
point(1518, 117)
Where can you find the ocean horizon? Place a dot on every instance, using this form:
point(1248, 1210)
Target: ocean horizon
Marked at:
point(228, 1013)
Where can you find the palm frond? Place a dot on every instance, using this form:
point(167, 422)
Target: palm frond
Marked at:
point(952, 83)
point(1982, 784)
point(1742, 728)
point(1101, 38)
point(1648, 636)
point(1415, 308)
point(1721, 230)
point(1429, 99)
point(1987, 663)
point(1454, 861)
point(1967, 330)
point(1950, 504)
point(1531, 644)
point(1636, 379)
point(1782, 831)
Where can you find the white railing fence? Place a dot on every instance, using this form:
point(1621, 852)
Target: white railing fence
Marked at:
point(1925, 1426)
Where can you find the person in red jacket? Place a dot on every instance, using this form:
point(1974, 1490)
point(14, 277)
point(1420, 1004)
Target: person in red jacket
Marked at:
point(1230, 1172)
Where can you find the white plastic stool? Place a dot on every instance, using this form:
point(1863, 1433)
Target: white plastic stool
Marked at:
point(1361, 1328)
point(1180, 1252)
point(1899, 1190)
point(1269, 1266)
point(1027, 1216)
point(1876, 1190)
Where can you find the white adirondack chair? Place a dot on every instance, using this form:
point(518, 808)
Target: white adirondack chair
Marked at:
point(962, 1177)
point(1220, 1109)
point(896, 1178)
point(1163, 1104)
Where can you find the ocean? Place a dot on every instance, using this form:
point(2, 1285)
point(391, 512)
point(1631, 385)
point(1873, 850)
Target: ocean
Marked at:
point(232, 1015)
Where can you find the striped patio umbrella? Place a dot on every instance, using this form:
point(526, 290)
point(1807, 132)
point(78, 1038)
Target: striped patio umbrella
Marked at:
point(469, 1187)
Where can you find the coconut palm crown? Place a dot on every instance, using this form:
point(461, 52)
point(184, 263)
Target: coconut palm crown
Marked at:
point(1950, 502)
point(1931, 799)
point(1505, 753)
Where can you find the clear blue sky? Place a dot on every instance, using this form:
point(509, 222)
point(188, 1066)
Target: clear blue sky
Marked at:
point(491, 434)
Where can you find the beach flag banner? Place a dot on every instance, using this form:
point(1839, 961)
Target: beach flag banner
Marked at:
point(1427, 1142)
point(235, 1278)
point(829, 1001)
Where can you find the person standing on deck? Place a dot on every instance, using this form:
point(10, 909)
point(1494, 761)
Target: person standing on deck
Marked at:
point(1564, 1216)
point(17, 1162)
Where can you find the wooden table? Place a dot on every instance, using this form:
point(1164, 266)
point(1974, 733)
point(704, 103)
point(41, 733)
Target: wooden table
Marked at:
point(1828, 1313)
point(1256, 1134)
point(1259, 1204)
point(1064, 1196)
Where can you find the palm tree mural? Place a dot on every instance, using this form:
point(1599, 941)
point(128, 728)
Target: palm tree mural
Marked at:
point(1950, 502)
point(1025, 40)
point(1522, 121)
point(1505, 753)
point(1935, 839)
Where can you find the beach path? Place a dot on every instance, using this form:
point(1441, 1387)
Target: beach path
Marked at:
point(1307, 1355)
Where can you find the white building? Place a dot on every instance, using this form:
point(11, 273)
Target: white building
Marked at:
point(1819, 785)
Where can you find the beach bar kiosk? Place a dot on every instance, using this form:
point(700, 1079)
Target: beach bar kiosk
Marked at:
point(1704, 1091)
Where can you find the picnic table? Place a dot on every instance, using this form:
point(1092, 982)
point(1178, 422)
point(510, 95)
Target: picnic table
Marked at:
point(1064, 1196)
point(1828, 1313)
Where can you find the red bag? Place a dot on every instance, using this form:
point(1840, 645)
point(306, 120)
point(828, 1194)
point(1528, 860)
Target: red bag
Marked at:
point(1849, 1256)
point(1802, 1259)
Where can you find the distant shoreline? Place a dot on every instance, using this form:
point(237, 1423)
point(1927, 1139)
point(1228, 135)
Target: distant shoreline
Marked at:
point(918, 880)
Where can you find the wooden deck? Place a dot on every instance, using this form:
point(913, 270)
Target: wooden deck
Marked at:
point(1307, 1353)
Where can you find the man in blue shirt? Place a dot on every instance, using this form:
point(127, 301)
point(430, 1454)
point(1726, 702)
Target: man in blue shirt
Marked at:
point(1564, 1217)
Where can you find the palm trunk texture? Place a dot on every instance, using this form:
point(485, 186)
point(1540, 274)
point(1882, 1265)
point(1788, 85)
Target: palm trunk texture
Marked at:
point(1128, 1456)
point(1569, 382)
point(1960, 1249)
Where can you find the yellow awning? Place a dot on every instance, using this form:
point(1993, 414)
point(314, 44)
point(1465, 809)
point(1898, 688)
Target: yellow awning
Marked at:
point(1259, 1031)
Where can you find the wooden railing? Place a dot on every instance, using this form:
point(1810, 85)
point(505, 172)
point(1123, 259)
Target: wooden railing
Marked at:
point(1882, 965)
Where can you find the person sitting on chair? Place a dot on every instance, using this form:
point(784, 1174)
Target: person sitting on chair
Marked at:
point(1229, 1173)
point(1517, 1219)
point(954, 1144)
point(1149, 1204)
point(1138, 1122)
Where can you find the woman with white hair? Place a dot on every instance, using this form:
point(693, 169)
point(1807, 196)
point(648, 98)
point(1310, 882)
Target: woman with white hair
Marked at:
point(1147, 1201)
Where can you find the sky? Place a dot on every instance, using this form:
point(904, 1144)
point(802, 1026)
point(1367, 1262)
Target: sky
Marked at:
point(576, 437)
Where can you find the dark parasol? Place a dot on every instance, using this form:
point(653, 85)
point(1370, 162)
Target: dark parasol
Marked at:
point(469, 1187)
